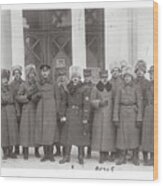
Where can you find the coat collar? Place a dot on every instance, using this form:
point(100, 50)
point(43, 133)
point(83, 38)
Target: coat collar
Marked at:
point(73, 88)
point(100, 86)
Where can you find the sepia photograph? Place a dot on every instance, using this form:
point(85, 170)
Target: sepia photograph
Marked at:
point(77, 90)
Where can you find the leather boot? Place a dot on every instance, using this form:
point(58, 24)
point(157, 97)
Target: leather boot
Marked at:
point(101, 160)
point(145, 158)
point(151, 160)
point(80, 155)
point(122, 158)
point(89, 152)
point(66, 157)
point(5, 153)
point(10, 153)
point(58, 150)
point(63, 151)
point(112, 157)
point(45, 157)
point(136, 157)
point(37, 154)
point(25, 153)
point(51, 156)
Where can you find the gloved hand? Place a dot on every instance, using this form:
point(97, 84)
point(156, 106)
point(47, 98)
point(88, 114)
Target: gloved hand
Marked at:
point(139, 124)
point(103, 103)
point(63, 119)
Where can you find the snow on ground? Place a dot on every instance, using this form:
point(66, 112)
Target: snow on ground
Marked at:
point(89, 164)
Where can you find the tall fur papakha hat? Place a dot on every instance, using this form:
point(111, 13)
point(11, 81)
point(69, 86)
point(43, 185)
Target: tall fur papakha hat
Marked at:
point(141, 65)
point(75, 71)
point(115, 66)
point(16, 67)
point(29, 68)
point(151, 69)
point(5, 73)
point(128, 71)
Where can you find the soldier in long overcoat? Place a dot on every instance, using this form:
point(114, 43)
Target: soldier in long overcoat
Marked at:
point(127, 117)
point(88, 86)
point(46, 114)
point(116, 81)
point(61, 98)
point(76, 118)
point(27, 96)
point(15, 83)
point(142, 82)
point(148, 121)
point(103, 131)
point(9, 129)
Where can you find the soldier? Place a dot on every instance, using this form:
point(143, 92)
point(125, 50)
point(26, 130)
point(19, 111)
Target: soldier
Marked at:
point(116, 81)
point(127, 117)
point(123, 66)
point(103, 131)
point(142, 82)
point(15, 83)
point(27, 96)
point(76, 118)
point(61, 97)
point(46, 119)
point(88, 85)
point(148, 122)
point(9, 129)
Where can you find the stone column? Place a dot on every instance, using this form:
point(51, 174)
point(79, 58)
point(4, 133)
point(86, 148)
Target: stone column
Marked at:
point(6, 51)
point(78, 38)
point(17, 38)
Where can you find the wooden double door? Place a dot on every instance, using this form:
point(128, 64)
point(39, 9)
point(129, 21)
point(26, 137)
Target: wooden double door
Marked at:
point(48, 38)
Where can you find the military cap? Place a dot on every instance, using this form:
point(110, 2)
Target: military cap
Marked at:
point(103, 74)
point(87, 72)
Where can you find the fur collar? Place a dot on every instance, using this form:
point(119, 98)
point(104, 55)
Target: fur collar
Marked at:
point(72, 88)
point(100, 86)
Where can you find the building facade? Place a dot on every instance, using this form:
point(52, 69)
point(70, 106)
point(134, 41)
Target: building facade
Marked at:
point(88, 37)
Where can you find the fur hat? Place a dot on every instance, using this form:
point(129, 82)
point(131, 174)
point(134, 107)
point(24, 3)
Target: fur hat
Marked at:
point(123, 64)
point(16, 67)
point(75, 71)
point(151, 69)
point(5, 73)
point(30, 68)
point(115, 65)
point(45, 67)
point(128, 70)
point(140, 65)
